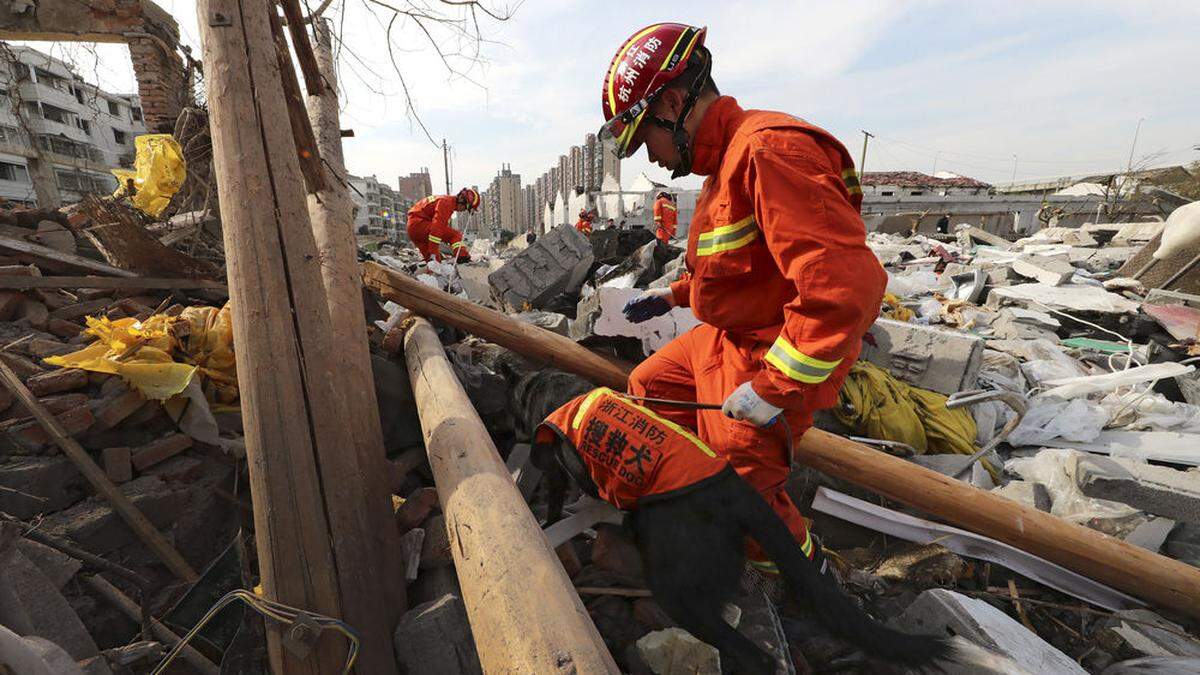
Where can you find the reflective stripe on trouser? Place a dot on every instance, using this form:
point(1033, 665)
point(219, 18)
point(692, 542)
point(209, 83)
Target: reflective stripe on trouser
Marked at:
point(798, 365)
point(703, 365)
point(458, 244)
point(727, 237)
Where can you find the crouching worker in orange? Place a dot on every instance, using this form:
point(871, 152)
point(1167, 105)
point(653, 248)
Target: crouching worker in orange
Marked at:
point(429, 224)
point(691, 512)
point(584, 224)
point(778, 269)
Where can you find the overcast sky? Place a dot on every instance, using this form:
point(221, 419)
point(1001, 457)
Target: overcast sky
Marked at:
point(965, 85)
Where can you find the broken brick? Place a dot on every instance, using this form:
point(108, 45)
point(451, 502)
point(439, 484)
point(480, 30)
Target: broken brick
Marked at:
point(63, 328)
point(160, 450)
point(416, 508)
point(55, 381)
point(31, 436)
point(118, 464)
point(80, 309)
point(114, 410)
point(10, 304)
point(41, 348)
point(35, 313)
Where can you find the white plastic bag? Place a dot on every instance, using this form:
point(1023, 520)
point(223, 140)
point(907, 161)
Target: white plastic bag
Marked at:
point(912, 284)
point(1055, 468)
point(1048, 418)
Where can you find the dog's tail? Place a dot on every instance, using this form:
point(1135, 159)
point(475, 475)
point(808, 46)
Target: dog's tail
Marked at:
point(821, 593)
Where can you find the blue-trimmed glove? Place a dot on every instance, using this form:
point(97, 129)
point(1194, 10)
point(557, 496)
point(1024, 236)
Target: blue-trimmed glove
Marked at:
point(745, 404)
point(649, 304)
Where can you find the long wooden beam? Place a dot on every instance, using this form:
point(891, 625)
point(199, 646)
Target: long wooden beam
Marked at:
point(525, 615)
point(120, 283)
point(532, 341)
point(1135, 570)
point(313, 524)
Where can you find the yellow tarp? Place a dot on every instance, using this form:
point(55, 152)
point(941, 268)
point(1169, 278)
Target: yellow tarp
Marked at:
point(160, 355)
point(877, 405)
point(892, 309)
point(158, 173)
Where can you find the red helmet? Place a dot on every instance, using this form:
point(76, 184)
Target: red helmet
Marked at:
point(469, 197)
point(644, 64)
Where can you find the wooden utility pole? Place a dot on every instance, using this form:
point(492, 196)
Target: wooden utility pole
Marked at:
point(446, 164)
point(525, 615)
point(1135, 570)
point(315, 547)
point(862, 163)
point(332, 212)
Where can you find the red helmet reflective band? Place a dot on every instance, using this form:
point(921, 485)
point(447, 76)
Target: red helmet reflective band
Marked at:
point(643, 65)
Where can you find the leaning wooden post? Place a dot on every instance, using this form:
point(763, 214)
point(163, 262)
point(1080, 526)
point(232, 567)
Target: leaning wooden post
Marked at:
point(525, 615)
point(1135, 570)
point(316, 550)
point(331, 211)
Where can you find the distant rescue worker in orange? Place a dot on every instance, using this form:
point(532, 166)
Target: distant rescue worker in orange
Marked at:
point(584, 224)
point(665, 217)
point(429, 224)
point(778, 269)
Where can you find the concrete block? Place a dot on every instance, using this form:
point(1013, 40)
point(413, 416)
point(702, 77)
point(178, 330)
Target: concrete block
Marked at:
point(674, 651)
point(1048, 271)
point(558, 262)
point(599, 315)
point(940, 360)
point(551, 321)
point(1160, 490)
point(39, 485)
point(474, 280)
point(943, 612)
point(435, 639)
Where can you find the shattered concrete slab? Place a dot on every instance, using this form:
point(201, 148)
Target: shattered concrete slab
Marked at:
point(558, 262)
point(434, 638)
point(1159, 490)
point(599, 315)
point(943, 612)
point(1077, 297)
point(945, 361)
point(1044, 270)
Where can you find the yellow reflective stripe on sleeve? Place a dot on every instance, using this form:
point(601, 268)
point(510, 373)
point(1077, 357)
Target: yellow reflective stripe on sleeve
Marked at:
point(798, 365)
point(434, 239)
point(727, 237)
point(458, 244)
point(850, 178)
point(587, 403)
point(807, 547)
point(669, 206)
point(765, 566)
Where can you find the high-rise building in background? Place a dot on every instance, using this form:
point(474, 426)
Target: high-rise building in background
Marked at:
point(503, 198)
point(415, 186)
point(59, 135)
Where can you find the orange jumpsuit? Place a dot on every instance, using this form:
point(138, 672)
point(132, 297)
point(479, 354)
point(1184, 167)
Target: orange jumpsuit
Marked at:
point(429, 226)
point(665, 216)
point(584, 225)
point(781, 277)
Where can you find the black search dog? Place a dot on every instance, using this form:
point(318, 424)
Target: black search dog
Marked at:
point(693, 549)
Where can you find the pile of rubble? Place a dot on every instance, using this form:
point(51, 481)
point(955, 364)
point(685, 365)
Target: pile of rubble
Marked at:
point(1034, 369)
point(1056, 381)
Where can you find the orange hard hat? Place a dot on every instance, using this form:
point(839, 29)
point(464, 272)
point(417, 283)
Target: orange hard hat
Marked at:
point(469, 197)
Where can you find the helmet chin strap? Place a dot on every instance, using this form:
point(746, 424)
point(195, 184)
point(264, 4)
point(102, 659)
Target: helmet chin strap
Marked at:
point(683, 141)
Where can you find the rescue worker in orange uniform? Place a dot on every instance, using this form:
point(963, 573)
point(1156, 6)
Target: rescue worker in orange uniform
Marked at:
point(429, 224)
point(584, 224)
point(665, 217)
point(778, 269)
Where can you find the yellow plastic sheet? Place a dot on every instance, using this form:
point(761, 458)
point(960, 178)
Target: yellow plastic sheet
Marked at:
point(160, 355)
point(877, 405)
point(892, 309)
point(158, 173)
